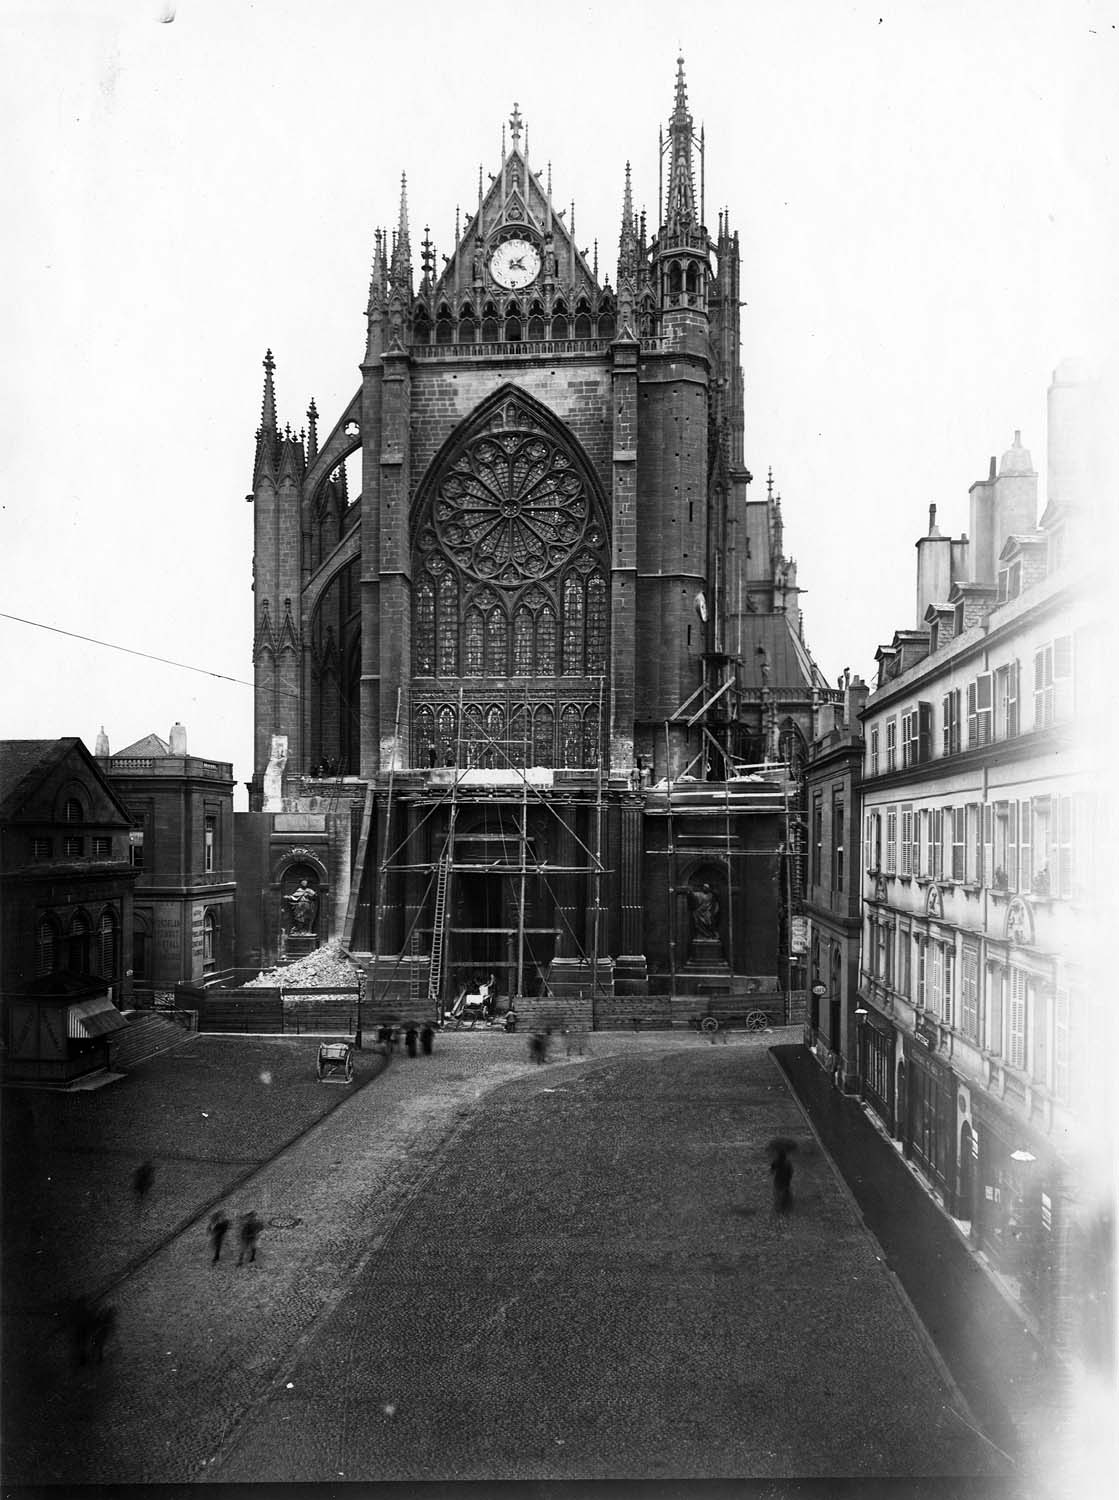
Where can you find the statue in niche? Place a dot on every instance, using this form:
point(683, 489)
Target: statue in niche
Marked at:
point(704, 906)
point(301, 906)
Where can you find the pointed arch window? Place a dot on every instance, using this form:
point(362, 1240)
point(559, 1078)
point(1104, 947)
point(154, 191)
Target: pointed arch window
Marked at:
point(72, 811)
point(573, 625)
point(495, 732)
point(596, 623)
point(425, 736)
point(606, 326)
point(524, 655)
point(543, 736)
point(447, 743)
point(691, 280)
point(518, 736)
point(467, 330)
point(559, 326)
point(546, 642)
point(473, 733)
point(583, 328)
point(473, 641)
point(675, 279)
point(497, 643)
point(444, 331)
point(421, 329)
point(535, 331)
point(425, 630)
point(590, 737)
point(512, 330)
point(571, 731)
point(448, 625)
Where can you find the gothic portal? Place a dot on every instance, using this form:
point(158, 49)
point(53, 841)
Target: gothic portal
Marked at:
point(551, 607)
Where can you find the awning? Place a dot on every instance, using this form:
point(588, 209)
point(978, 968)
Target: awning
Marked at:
point(91, 1018)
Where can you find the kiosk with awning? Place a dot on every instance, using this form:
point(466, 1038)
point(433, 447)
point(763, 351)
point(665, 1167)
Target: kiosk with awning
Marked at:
point(58, 1027)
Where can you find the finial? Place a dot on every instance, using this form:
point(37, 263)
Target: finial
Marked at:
point(549, 179)
point(268, 405)
point(596, 259)
point(516, 125)
point(769, 485)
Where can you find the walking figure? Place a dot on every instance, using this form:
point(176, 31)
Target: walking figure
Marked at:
point(410, 1041)
point(782, 1169)
point(250, 1233)
point(219, 1227)
point(427, 1040)
point(142, 1180)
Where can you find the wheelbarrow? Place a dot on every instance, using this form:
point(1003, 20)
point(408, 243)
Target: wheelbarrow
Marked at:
point(336, 1062)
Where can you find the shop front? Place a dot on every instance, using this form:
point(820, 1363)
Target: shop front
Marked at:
point(875, 1043)
point(1018, 1206)
point(928, 1115)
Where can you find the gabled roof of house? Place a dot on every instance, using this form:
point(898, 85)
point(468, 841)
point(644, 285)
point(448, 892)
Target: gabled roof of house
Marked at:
point(25, 764)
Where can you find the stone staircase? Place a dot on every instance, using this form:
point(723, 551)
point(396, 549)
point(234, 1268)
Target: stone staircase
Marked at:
point(147, 1035)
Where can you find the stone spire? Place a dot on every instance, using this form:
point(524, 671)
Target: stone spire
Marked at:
point(312, 432)
point(680, 207)
point(268, 436)
point(628, 263)
point(400, 273)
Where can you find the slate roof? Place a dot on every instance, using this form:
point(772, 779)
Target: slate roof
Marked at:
point(791, 668)
point(25, 761)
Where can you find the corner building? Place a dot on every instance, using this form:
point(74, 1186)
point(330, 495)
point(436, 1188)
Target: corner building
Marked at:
point(552, 595)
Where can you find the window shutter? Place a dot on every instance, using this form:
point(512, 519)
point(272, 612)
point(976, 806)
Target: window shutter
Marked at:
point(972, 716)
point(924, 732)
point(1062, 677)
point(986, 875)
point(1012, 847)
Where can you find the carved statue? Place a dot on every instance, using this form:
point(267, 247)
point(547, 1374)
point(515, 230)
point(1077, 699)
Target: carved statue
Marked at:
point(704, 906)
point(302, 903)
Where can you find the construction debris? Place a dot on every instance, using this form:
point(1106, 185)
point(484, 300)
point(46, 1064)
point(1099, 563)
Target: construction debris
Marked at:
point(326, 966)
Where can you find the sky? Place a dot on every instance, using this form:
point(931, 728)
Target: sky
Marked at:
point(926, 197)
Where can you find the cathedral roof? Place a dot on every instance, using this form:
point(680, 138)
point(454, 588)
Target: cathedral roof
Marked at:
point(791, 667)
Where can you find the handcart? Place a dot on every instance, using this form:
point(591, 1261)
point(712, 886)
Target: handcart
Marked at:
point(336, 1062)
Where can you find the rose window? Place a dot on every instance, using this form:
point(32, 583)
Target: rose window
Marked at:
point(511, 507)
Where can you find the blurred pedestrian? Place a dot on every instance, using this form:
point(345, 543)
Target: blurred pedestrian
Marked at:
point(219, 1228)
point(510, 1019)
point(142, 1180)
point(101, 1326)
point(250, 1232)
point(410, 1040)
point(427, 1039)
point(782, 1169)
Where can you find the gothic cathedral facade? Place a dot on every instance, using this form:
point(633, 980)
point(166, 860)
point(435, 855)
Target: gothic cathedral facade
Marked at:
point(552, 611)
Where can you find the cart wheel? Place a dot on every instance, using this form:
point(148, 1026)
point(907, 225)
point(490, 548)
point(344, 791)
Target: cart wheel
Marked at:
point(349, 1067)
point(709, 1023)
point(757, 1020)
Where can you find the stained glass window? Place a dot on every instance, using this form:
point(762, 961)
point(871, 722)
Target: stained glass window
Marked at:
point(590, 737)
point(495, 728)
point(518, 728)
point(448, 734)
point(596, 623)
point(571, 724)
point(522, 643)
point(473, 650)
point(543, 736)
point(573, 625)
point(472, 733)
point(425, 630)
point(497, 645)
point(448, 626)
point(425, 736)
point(546, 642)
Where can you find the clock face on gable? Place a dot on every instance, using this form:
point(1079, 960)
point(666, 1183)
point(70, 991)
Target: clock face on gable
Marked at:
point(515, 263)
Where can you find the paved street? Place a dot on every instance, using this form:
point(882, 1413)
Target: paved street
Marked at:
point(471, 1268)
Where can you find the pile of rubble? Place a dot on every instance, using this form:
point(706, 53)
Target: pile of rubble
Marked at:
point(318, 970)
